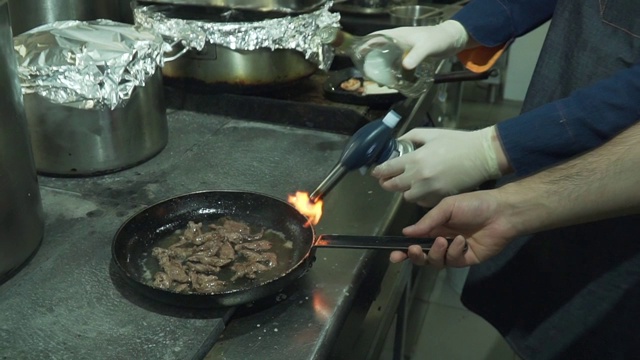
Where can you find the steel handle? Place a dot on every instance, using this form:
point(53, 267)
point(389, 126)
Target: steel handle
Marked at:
point(373, 242)
point(465, 75)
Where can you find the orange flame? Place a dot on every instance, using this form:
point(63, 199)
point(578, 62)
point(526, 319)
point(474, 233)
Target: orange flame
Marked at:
point(313, 211)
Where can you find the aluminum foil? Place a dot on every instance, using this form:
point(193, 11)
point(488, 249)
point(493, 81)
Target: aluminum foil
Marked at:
point(298, 32)
point(89, 65)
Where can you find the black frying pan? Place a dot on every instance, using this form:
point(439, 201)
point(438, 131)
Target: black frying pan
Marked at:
point(135, 238)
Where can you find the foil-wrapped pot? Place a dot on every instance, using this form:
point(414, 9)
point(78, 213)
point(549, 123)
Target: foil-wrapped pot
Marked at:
point(88, 65)
point(237, 30)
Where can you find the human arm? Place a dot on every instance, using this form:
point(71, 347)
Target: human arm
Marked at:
point(600, 184)
point(497, 22)
point(564, 128)
point(483, 27)
point(525, 144)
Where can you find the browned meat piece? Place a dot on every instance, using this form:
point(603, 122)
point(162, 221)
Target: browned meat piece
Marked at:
point(206, 283)
point(181, 241)
point(161, 280)
point(180, 253)
point(202, 268)
point(193, 230)
point(165, 255)
point(236, 226)
point(175, 270)
point(161, 254)
point(207, 237)
point(189, 265)
point(209, 260)
point(210, 247)
point(259, 245)
point(236, 231)
point(227, 252)
point(270, 259)
point(181, 288)
point(233, 237)
point(248, 270)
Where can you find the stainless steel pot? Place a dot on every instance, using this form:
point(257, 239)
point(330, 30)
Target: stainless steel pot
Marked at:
point(415, 15)
point(69, 141)
point(21, 215)
point(28, 14)
point(219, 65)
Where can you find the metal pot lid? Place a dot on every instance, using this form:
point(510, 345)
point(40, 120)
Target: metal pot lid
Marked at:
point(284, 6)
point(89, 65)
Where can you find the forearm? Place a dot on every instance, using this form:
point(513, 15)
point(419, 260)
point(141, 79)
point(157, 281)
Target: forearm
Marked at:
point(600, 184)
point(568, 127)
point(496, 22)
point(492, 25)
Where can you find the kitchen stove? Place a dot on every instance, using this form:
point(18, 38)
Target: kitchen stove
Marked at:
point(301, 103)
point(257, 141)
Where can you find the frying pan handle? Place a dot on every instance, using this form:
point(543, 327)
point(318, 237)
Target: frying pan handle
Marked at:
point(373, 242)
point(465, 75)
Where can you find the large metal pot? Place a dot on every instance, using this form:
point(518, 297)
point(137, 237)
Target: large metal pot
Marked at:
point(243, 50)
point(28, 14)
point(220, 66)
point(21, 215)
point(113, 117)
point(69, 141)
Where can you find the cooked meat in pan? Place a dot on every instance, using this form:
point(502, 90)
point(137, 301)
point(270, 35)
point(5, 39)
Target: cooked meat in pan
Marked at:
point(210, 259)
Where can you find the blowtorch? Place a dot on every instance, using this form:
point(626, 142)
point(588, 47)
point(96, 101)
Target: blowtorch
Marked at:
point(372, 144)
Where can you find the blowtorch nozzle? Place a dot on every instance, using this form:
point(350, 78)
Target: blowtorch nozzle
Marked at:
point(363, 150)
point(337, 173)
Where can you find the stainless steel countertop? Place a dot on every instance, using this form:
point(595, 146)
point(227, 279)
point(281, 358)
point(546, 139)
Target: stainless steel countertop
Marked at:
point(68, 303)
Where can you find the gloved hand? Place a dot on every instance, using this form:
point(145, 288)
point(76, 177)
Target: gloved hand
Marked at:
point(435, 41)
point(445, 162)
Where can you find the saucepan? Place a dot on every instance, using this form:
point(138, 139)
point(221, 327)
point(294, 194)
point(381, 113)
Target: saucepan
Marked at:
point(133, 243)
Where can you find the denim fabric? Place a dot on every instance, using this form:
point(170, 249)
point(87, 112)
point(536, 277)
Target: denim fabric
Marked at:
point(574, 292)
point(586, 85)
point(565, 294)
point(496, 22)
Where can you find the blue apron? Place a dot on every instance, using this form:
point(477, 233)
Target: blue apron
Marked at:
point(574, 292)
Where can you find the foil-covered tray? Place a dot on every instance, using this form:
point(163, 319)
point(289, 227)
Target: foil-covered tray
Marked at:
point(284, 6)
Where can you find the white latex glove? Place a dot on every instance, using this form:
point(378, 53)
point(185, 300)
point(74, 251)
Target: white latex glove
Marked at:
point(445, 162)
point(435, 41)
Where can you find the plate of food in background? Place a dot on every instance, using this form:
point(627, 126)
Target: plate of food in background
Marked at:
point(349, 86)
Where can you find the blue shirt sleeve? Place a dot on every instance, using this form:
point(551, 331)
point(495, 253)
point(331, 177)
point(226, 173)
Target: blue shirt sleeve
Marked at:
point(497, 22)
point(568, 127)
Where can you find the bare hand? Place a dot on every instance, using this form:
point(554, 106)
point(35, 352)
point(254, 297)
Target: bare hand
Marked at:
point(476, 221)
